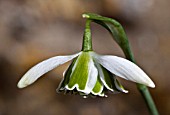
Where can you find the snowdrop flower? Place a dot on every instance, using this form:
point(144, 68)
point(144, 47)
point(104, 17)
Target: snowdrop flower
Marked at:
point(89, 72)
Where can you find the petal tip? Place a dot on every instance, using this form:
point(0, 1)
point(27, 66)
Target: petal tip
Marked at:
point(152, 85)
point(23, 83)
point(125, 91)
point(20, 85)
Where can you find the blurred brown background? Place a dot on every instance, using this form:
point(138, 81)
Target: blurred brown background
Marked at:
point(34, 30)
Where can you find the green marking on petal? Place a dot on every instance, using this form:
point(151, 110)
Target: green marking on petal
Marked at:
point(119, 86)
point(66, 78)
point(98, 88)
point(111, 82)
point(116, 85)
point(107, 78)
point(104, 76)
point(80, 71)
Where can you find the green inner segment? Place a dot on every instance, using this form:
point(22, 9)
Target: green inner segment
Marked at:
point(98, 87)
point(67, 75)
point(107, 78)
point(120, 85)
point(110, 80)
point(80, 74)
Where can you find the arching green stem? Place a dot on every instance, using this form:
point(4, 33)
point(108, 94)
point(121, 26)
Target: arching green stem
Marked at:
point(87, 40)
point(120, 37)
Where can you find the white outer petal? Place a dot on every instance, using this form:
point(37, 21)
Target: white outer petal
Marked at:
point(43, 67)
point(124, 68)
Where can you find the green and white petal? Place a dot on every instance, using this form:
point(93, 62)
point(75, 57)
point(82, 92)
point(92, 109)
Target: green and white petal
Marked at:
point(98, 88)
point(109, 80)
point(84, 74)
point(104, 76)
point(43, 67)
point(66, 78)
point(118, 85)
point(125, 69)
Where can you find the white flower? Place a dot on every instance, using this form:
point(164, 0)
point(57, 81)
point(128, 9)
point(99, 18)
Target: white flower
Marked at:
point(89, 73)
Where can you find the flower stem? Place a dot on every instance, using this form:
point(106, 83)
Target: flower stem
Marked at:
point(87, 40)
point(148, 99)
point(120, 37)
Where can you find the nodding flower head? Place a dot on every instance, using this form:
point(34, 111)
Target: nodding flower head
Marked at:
point(89, 73)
